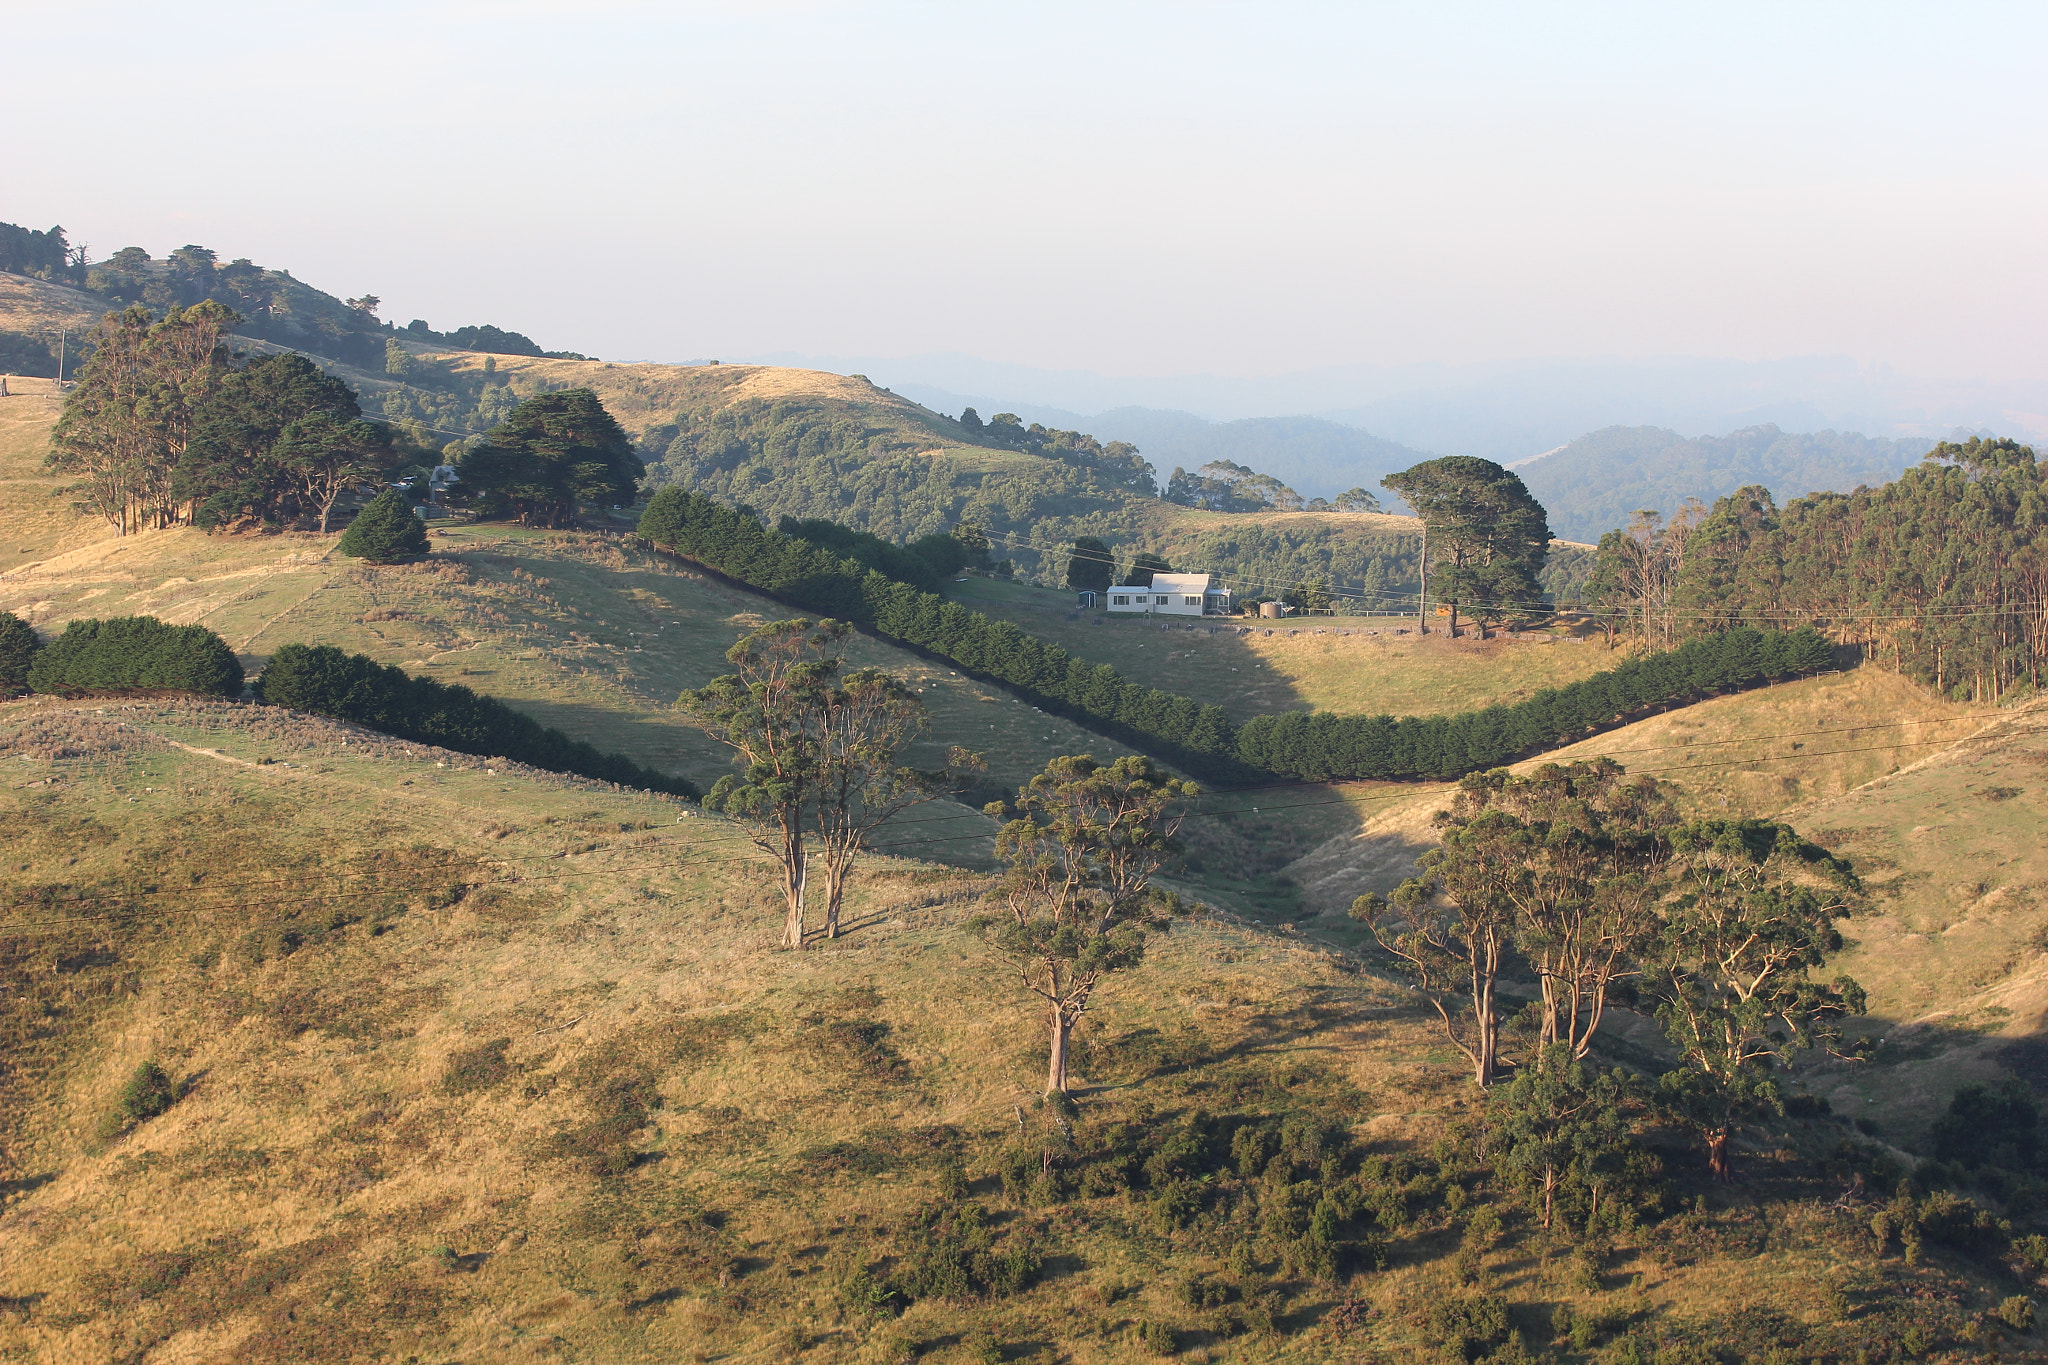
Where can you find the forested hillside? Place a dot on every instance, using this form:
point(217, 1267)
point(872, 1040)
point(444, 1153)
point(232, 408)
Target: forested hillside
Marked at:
point(1941, 574)
point(1593, 485)
point(272, 305)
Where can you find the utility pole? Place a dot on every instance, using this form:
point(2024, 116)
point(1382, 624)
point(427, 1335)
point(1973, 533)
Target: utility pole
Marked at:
point(62, 334)
point(1422, 584)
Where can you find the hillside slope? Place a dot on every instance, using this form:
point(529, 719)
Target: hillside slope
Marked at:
point(511, 1073)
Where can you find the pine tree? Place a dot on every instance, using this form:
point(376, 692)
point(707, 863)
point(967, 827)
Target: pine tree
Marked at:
point(385, 532)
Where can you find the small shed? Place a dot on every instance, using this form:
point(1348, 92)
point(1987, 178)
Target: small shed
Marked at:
point(1085, 599)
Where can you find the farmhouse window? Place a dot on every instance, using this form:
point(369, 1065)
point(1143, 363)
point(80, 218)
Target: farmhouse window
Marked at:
point(1121, 601)
point(1160, 600)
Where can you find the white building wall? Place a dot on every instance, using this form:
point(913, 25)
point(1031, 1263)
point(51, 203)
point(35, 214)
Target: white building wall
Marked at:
point(1171, 594)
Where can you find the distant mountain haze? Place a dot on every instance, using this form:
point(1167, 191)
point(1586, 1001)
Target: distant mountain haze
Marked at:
point(1593, 484)
point(1506, 412)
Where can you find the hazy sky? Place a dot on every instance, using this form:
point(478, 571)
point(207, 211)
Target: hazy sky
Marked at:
point(1127, 188)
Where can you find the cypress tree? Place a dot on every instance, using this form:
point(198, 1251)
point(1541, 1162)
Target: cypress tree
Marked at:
point(353, 687)
point(136, 653)
point(18, 646)
point(385, 532)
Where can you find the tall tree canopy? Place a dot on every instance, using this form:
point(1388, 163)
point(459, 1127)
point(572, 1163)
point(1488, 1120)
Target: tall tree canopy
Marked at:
point(556, 450)
point(1942, 574)
point(1090, 565)
point(275, 438)
point(125, 427)
point(1484, 537)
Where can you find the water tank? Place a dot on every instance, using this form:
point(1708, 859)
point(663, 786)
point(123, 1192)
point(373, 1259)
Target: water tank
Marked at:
point(1270, 609)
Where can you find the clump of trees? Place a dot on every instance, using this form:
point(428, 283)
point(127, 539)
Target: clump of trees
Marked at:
point(165, 428)
point(18, 645)
point(354, 687)
point(1080, 848)
point(1590, 879)
point(1227, 486)
point(1941, 575)
point(136, 654)
point(925, 562)
point(819, 749)
point(1143, 565)
point(1091, 565)
point(1118, 461)
point(556, 450)
point(277, 439)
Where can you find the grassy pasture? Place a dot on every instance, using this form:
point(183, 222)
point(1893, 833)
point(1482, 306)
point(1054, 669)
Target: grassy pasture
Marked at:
point(483, 1065)
point(1351, 665)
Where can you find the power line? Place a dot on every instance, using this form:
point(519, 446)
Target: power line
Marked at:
point(1358, 592)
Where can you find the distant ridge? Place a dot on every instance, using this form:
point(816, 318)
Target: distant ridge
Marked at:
point(1593, 484)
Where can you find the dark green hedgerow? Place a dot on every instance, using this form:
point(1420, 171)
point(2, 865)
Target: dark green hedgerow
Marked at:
point(1201, 738)
point(133, 654)
point(355, 687)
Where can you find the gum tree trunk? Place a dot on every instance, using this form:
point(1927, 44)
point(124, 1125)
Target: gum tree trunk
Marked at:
point(1056, 1070)
point(793, 897)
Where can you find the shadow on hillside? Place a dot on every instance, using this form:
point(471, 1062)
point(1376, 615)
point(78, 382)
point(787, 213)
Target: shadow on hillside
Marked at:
point(1149, 1053)
point(651, 738)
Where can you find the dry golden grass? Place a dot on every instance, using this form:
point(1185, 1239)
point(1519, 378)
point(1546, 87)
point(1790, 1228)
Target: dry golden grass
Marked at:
point(37, 520)
point(38, 306)
point(402, 1001)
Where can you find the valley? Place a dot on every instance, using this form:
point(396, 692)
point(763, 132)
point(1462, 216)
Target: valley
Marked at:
point(460, 1059)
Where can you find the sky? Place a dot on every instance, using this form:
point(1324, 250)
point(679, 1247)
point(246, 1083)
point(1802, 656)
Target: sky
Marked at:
point(1235, 190)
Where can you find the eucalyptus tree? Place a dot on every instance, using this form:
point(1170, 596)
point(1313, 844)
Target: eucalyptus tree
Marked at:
point(769, 713)
point(821, 753)
point(1584, 850)
point(1081, 847)
point(858, 783)
point(126, 425)
point(1749, 919)
point(1452, 927)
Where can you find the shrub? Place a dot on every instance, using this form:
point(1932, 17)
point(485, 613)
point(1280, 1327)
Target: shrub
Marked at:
point(133, 653)
point(2017, 1313)
point(1158, 1338)
point(982, 1348)
point(1467, 1328)
point(149, 1092)
point(18, 645)
point(955, 1256)
point(385, 531)
point(355, 687)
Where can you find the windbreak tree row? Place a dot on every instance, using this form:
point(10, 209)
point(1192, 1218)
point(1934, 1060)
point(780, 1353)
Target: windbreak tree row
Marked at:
point(123, 654)
point(354, 687)
point(1201, 738)
point(1318, 745)
point(731, 542)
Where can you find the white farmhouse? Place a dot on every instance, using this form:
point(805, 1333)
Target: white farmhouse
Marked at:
point(1173, 594)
